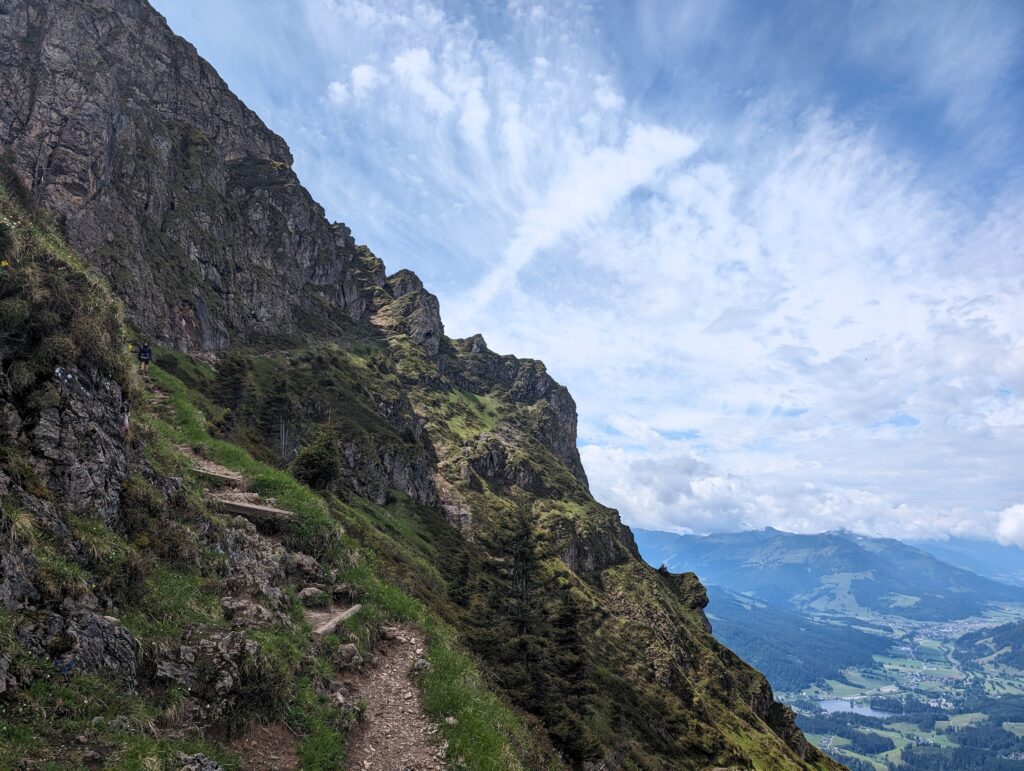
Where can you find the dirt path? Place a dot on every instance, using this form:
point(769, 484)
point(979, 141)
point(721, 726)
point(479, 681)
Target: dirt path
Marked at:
point(395, 735)
point(268, 748)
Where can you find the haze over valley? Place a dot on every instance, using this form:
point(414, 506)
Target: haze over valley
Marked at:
point(889, 655)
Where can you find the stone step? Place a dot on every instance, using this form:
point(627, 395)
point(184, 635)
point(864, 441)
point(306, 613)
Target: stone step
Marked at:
point(331, 624)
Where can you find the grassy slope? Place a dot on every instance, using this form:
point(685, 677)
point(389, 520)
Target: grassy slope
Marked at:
point(162, 576)
point(487, 734)
point(631, 622)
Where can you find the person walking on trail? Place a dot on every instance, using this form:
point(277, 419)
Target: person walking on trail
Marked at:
point(145, 356)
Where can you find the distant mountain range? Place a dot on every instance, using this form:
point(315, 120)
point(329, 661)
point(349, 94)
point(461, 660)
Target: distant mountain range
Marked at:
point(986, 558)
point(835, 573)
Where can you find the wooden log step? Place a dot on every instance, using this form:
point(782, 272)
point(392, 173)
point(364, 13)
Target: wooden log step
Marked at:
point(331, 624)
point(258, 514)
point(220, 478)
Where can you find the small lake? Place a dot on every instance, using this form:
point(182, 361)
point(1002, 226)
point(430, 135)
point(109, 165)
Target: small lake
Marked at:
point(845, 705)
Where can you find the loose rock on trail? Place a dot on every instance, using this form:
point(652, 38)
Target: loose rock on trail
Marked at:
point(395, 734)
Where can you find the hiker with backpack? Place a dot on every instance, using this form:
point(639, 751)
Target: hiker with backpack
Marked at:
point(145, 356)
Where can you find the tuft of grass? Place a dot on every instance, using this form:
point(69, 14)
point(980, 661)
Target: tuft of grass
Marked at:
point(20, 524)
point(170, 602)
point(57, 576)
point(323, 726)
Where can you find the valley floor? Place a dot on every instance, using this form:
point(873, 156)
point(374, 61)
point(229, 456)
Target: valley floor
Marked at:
point(960, 702)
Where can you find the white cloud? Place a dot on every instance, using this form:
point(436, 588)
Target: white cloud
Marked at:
point(592, 184)
point(606, 96)
point(1011, 526)
point(415, 69)
point(770, 310)
point(365, 78)
point(807, 324)
point(338, 93)
point(474, 119)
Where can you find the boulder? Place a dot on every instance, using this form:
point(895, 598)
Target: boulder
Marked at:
point(242, 611)
point(78, 640)
point(302, 565)
point(347, 657)
point(255, 563)
point(220, 671)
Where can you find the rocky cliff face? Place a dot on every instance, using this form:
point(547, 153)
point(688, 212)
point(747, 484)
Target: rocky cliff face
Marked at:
point(524, 381)
point(70, 454)
point(188, 204)
point(165, 181)
point(459, 464)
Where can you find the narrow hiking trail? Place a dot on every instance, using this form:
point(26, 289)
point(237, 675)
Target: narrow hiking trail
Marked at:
point(393, 733)
point(272, 747)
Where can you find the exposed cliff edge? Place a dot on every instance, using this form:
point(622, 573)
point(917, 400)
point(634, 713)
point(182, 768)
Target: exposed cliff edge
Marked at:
point(456, 468)
point(165, 181)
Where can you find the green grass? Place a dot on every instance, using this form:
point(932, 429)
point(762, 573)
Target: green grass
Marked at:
point(37, 725)
point(469, 415)
point(313, 531)
point(171, 601)
point(841, 690)
point(874, 762)
point(487, 733)
point(970, 718)
point(1017, 729)
point(866, 680)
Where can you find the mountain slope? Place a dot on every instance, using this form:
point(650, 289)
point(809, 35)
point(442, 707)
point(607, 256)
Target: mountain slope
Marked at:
point(791, 649)
point(1002, 646)
point(140, 624)
point(449, 490)
point(837, 573)
point(991, 560)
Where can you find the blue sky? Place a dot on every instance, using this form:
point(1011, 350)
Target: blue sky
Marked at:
point(775, 250)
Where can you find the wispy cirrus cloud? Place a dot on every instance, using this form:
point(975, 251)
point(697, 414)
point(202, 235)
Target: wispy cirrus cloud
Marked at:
point(962, 54)
point(775, 252)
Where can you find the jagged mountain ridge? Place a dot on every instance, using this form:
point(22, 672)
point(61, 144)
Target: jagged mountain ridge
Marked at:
point(187, 205)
